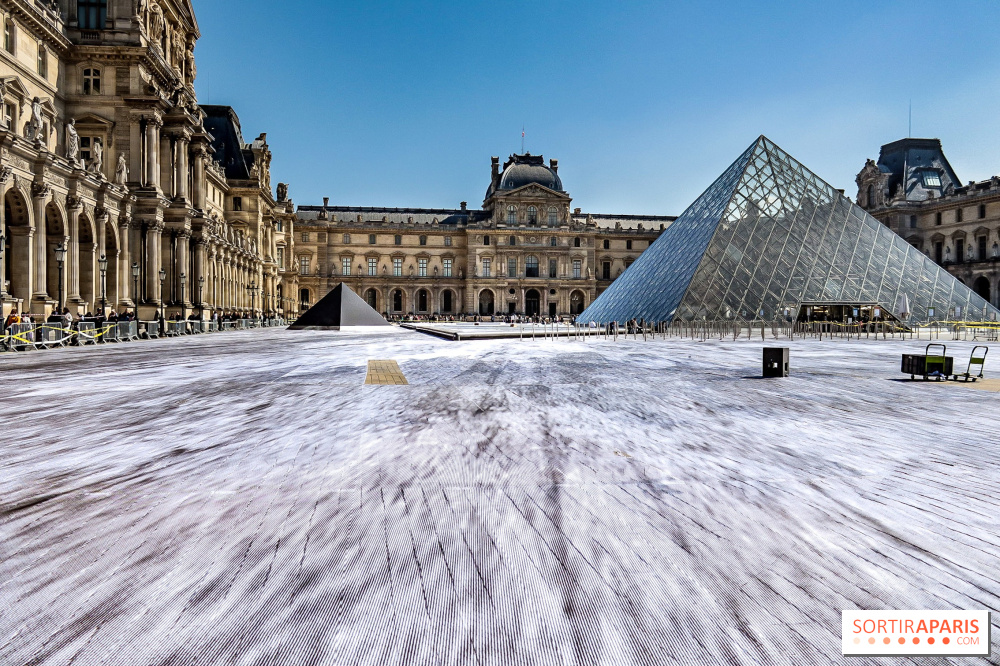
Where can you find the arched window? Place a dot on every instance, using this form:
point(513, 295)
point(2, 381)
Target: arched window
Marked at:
point(576, 242)
point(422, 300)
point(397, 301)
point(511, 215)
point(553, 216)
point(532, 215)
point(531, 267)
point(91, 14)
point(92, 81)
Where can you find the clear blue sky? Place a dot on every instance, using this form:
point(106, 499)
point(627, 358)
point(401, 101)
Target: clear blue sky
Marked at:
point(643, 103)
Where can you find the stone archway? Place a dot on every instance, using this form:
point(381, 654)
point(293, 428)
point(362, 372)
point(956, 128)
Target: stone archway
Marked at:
point(84, 283)
point(982, 287)
point(486, 302)
point(532, 303)
point(18, 253)
point(447, 301)
point(577, 302)
point(398, 300)
point(371, 297)
point(422, 298)
point(55, 236)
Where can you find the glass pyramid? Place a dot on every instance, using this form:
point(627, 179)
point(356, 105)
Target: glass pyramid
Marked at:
point(769, 238)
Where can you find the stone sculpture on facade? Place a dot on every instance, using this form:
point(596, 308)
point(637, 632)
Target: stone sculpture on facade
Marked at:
point(97, 158)
point(33, 131)
point(121, 172)
point(282, 192)
point(191, 70)
point(72, 143)
point(156, 25)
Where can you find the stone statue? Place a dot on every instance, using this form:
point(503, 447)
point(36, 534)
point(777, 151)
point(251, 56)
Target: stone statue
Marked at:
point(282, 192)
point(72, 143)
point(139, 7)
point(4, 120)
point(97, 158)
point(34, 128)
point(179, 54)
point(121, 172)
point(192, 69)
point(155, 23)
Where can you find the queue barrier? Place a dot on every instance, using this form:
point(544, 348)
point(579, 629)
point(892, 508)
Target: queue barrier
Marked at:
point(87, 331)
point(152, 329)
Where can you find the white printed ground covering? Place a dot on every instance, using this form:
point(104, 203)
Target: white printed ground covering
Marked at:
point(243, 498)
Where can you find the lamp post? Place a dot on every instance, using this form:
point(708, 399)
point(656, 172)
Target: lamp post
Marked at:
point(183, 305)
point(163, 276)
point(60, 258)
point(3, 271)
point(253, 294)
point(102, 263)
point(135, 288)
point(201, 291)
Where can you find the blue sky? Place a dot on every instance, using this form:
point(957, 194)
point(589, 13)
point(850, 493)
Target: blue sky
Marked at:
point(643, 103)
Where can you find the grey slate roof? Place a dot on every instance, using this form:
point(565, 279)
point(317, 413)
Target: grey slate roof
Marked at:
point(224, 126)
point(915, 156)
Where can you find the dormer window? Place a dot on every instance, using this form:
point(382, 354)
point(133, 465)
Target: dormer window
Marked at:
point(931, 178)
point(92, 81)
point(91, 14)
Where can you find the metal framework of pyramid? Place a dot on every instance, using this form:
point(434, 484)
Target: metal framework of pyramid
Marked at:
point(770, 237)
point(340, 308)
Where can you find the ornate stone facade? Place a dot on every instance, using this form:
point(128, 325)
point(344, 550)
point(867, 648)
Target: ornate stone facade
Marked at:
point(914, 191)
point(138, 177)
point(526, 251)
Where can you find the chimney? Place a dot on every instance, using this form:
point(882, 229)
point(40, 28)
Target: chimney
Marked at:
point(576, 211)
point(495, 163)
point(465, 205)
point(554, 165)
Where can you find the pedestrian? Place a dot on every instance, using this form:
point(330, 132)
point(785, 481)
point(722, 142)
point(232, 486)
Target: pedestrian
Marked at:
point(12, 319)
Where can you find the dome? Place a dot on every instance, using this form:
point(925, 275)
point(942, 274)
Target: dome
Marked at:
point(521, 170)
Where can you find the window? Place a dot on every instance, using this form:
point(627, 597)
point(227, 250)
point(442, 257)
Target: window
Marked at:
point(372, 266)
point(422, 267)
point(553, 216)
point(552, 242)
point(304, 265)
point(304, 237)
point(281, 258)
point(511, 215)
point(447, 241)
point(486, 240)
point(9, 118)
point(577, 267)
point(960, 250)
point(9, 37)
point(958, 215)
point(371, 239)
point(278, 226)
point(345, 265)
point(91, 14)
point(91, 81)
point(512, 240)
point(553, 268)
point(304, 297)
point(938, 250)
point(43, 62)
point(931, 178)
point(237, 203)
point(447, 267)
point(607, 244)
point(398, 240)
point(486, 267)
point(446, 303)
point(982, 211)
point(531, 267)
point(397, 267)
point(532, 215)
point(913, 221)
point(347, 239)
point(422, 300)
point(423, 240)
point(937, 219)
point(576, 242)
point(982, 248)
point(628, 245)
point(606, 270)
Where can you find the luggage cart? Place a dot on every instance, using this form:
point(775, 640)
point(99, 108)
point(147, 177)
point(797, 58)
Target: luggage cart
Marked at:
point(974, 360)
point(931, 365)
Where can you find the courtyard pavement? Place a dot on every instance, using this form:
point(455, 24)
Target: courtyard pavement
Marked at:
point(245, 498)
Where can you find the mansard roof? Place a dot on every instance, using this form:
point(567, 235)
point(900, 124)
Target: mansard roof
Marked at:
point(907, 160)
point(227, 140)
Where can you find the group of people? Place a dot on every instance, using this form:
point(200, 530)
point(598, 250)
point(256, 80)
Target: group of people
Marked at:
point(65, 318)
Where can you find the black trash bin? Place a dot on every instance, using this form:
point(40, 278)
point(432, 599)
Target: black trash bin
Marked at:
point(775, 361)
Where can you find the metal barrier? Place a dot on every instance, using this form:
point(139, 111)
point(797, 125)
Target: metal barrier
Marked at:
point(110, 332)
point(128, 330)
point(152, 329)
point(21, 337)
point(227, 326)
point(87, 331)
point(176, 327)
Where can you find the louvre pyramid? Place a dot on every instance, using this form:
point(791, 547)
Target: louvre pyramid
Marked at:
point(341, 307)
point(769, 237)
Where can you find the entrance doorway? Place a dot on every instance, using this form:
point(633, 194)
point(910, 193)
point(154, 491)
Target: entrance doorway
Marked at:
point(486, 302)
point(532, 303)
point(552, 309)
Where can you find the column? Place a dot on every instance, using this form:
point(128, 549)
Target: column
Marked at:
point(153, 263)
point(198, 271)
point(183, 252)
point(167, 159)
point(4, 175)
point(39, 199)
point(152, 147)
point(73, 207)
point(198, 180)
point(124, 286)
point(181, 177)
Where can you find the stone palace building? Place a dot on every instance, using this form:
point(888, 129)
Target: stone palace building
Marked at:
point(118, 188)
point(526, 251)
point(913, 189)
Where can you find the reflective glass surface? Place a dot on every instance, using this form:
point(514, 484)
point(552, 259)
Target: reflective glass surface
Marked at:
point(769, 237)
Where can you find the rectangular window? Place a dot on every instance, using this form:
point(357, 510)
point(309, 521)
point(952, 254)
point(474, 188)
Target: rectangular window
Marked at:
point(43, 62)
point(422, 267)
point(237, 203)
point(304, 265)
point(347, 239)
point(982, 211)
point(577, 268)
point(937, 219)
point(281, 258)
point(913, 221)
point(304, 237)
point(606, 270)
point(628, 245)
point(982, 248)
point(553, 268)
point(345, 265)
point(958, 215)
point(321, 237)
point(397, 267)
point(960, 250)
point(931, 179)
point(8, 36)
point(371, 239)
point(447, 241)
point(447, 267)
point(278, 226)
point(91, 14)
point(511, 267)
point(486, 267)
point(8, 117)
point(372, 266)
point(938, 249)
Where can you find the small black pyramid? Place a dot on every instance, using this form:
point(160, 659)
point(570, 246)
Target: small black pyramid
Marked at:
point(341, 307)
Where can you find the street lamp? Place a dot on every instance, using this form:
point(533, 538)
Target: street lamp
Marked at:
point(103, 265)
point(201, 290)
point(163, 276)
point(135, 287)
point(253, 293)
point(3, 272)
point(183, 306)
point(60, 258)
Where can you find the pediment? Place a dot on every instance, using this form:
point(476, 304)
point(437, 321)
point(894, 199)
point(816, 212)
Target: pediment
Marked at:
point(534, 190)
point(15, 87)
point(92, 120)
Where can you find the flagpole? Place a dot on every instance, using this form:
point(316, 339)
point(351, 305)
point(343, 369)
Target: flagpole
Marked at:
point(522, 139)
